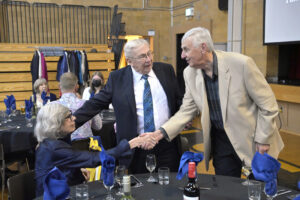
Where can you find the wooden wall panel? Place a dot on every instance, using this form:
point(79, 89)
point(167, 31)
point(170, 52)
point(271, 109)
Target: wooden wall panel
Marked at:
point(15, 75)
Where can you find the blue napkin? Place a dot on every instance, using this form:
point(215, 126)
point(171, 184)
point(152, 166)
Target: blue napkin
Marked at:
point(28, 106)
point(297, 198)
point(55, 185)
point(107, 170)
point(45, 97)
point(8, 103)
point(184, 162)
point(13, 102)
point(265, 168)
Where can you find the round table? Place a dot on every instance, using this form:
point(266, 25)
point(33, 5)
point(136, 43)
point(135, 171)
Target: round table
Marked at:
point(221, 188)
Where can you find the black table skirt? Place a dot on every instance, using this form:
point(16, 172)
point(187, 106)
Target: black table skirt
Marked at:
point(17, 139)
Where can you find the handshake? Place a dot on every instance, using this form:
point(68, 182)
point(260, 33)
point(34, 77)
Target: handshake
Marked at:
point(146, 141)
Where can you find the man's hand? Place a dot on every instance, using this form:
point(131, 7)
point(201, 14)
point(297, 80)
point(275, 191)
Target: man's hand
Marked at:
point(150, 139)
point(262, 148)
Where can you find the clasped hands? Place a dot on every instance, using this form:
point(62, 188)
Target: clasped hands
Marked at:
point(146, 141)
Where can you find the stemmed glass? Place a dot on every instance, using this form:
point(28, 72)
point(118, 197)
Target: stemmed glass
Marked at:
point(109, 196)
point(246, 171)
point(150, 165)
point(271, 196)
point(120, 172)
point(28, 118)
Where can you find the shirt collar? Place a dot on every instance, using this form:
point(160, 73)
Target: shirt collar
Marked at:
point(138, 76)
point(215, 64)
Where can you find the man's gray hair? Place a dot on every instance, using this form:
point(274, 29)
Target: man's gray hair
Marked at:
point(68, 81)
point(49, 121)
point(198, 36)
point(38, 83)
point(131, 45)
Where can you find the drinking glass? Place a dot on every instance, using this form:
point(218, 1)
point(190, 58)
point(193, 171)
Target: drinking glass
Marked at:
point(271, 196)
point(22, 109)
point(150, 165)
point(109, 196)
point(254, 190)
point(120, 172)
point(4, 117)
point(246, 171)
point(28, 118)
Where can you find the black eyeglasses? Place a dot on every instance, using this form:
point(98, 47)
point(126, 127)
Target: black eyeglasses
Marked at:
point(69, 116)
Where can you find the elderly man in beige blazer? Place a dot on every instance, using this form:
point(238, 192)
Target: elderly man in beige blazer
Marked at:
point(238, 111)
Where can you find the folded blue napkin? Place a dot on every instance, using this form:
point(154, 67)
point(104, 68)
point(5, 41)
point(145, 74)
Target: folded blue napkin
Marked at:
point(55, 185)
point(13, 102)
point(265, 168)
point(9, 102)
point(108, 167)
point(28, 106)
point(184, 162)
point(45, 97)
point(297, 197)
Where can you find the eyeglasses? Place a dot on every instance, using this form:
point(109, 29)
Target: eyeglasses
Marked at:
point(144, 56)
point(69, 116)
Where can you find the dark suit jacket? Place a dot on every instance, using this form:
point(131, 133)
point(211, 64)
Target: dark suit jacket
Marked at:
point(119, 91)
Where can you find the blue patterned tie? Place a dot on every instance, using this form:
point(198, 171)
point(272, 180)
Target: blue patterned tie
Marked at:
point(148, 107)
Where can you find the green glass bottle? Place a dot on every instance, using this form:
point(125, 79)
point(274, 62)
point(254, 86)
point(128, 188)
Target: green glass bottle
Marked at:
point(127, 188)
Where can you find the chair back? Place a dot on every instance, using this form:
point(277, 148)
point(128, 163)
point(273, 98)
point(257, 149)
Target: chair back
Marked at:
point(81, 144)
point(22, 186)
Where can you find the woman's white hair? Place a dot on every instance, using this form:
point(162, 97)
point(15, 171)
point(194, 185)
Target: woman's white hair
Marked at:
point(198, 36)
point(38, 83)
point(131, 45)
point(49, 121)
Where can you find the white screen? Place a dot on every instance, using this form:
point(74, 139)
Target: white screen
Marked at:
point(282, 21)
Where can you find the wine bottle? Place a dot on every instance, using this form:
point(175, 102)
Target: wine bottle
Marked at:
point(126, 188)
point(191, 190)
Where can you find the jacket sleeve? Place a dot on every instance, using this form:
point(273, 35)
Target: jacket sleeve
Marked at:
point(263, 96)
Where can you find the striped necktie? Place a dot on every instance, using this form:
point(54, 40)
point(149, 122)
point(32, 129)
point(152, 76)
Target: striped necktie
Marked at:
point(148, 106)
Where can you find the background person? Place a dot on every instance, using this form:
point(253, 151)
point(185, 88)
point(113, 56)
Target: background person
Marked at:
point(41, 85)
point(96, 84)
point(68, 85)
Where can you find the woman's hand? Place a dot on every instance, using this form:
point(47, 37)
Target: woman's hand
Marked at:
point(85, 173)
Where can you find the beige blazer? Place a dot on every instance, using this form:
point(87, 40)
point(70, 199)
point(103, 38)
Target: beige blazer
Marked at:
point(248, 106)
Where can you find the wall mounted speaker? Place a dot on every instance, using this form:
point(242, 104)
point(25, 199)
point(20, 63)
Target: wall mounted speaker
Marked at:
point(223, 5)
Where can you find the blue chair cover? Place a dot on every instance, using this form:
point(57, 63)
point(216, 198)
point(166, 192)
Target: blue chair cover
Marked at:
point(265, 168)
point(55, 185)
point(184, 162)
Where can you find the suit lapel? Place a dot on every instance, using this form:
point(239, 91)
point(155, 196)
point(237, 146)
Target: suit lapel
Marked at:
point(224, 81)
point(128, 88)
point(161, 77)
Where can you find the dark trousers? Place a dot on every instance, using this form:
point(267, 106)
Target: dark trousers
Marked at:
point(166, 153)
point(225, 160)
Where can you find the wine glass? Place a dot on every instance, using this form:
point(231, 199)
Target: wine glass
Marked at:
point(150, 165)
point(109, 196)
point(271, 196)
point(28, 118)
point(120, 172)
point(246, 171)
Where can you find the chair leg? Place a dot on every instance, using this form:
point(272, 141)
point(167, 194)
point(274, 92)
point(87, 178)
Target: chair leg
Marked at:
point(3, 179)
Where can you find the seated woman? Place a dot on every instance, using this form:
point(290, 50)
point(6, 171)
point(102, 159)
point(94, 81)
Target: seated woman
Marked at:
point(96, 84)
point(39, 86)
point(54, 124)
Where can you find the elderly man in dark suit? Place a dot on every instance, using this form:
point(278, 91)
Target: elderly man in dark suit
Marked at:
point(128, 89)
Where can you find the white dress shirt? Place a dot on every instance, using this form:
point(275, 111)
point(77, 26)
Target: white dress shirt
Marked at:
point(161, 111)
